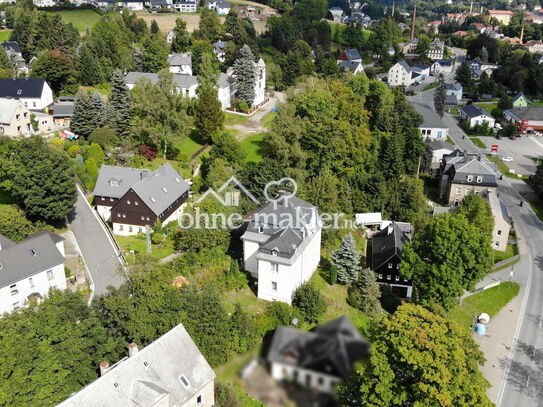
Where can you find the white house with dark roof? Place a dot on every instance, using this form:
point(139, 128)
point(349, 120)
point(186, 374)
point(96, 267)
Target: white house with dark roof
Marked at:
point(185, 85)
point(35, 93)
point(441, 66)
point(281, 247)
point(475, 115)
point(14, 53)
point(401, 74)
point(28, 269)
point(133, 198)
point(336, 13)
point(318, 359)
point(436, 150)
point(132, 5)
point(432, 127)
point(454, 89)
point(219, 50)
point(169, 372)
point(180, 63)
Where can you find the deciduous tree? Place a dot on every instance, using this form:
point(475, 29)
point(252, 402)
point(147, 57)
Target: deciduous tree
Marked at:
point(418, 358)
point(310, 303)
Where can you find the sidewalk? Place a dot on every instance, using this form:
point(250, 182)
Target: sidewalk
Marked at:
point(496, 344)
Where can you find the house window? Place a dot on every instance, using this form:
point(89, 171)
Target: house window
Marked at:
point(499, 232)
point(120, 227)
point(389, 277)
point(136, 203)
point(275, 267)
point(320, 381)
point(389, 265)
point(470, 178)
point(147, 218)
point(129, 229)
point(111, 199)
point(467, 191)
point(274, 252)
point(102, 198)
point(261, 229)
point(139, 230)
point(497, 243)
point(17, 116)
point(143, 218)
point(479, 179)
point(397, 278)
point(458, 191)
point(16, 306)
point(380, 276)
point(199, 400)
point(118, 215)
point(13, 289)
point(124, 215)
point(274, 286)
point(49, 274)
point(128, 201)
point(31, 282)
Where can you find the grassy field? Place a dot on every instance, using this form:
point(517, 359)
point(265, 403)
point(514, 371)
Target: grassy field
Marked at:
point(477, 141)
point(490, 301)
point(268, 119)
point(190, 144)
point(489, 107)
point(510, 251)
point(138, 245)
point(450, 140)
point(230, 119)
point(81, 19)
point(431, 86)
point(4, 35)
point(252, 146)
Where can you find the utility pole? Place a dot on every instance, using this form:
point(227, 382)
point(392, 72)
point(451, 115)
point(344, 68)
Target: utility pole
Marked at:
point(414, 22)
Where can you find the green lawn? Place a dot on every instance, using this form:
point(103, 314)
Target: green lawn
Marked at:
point(252, 146)
point(510, 251)
point(190, 144)
point(489, 107)
point(138, 245)
point(477, 141)
point(231, 119)
point(267, 120)
point(81, 19)
point(336, 301)
point(490, 301)
point(431, 86)
point(4, 35)
point(454, 111)
point(537, 208)
point(450, 140)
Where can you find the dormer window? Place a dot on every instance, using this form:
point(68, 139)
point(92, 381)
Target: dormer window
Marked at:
point(479, 179)
point(114, 182)
point(34, 253)
point(274, 252)
point(177, 180)
point(261, 229)
point(470, 178)
point(19, 91)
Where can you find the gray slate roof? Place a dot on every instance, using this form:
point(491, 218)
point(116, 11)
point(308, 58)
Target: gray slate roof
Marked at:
point(182, 81)
point(11, 46)
point(528, 112)
point(157, 189)
point(451, 100)
point(331, 348)
point(152, 373)
point(430, 119)
point(352, 54)
point(8, 107)
point(63, 109)
point(19, 262)
point(458, 166)
point(21, 88)
point(386, 243)
point(349, 65)
point(180, 59)
point(453, 86)
point(474, 111)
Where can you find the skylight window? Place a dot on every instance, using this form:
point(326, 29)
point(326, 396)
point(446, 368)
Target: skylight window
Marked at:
point(177, 180)
point(164, 189)
point(153, 200)
point(184, 381)
point(34, 253)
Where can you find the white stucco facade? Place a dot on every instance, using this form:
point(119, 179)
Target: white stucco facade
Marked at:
point(46, 99)
point(15, 295)
point(434, 133)
point(260, 83)
point(399, 76)
point(307, 378)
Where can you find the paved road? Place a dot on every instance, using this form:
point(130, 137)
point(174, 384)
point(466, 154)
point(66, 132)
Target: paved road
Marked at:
point(96, 247)
point(522, 381)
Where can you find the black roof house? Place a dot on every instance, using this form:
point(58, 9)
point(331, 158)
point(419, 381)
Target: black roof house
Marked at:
point(387, 246)
point(331, 348)
point(21, 88)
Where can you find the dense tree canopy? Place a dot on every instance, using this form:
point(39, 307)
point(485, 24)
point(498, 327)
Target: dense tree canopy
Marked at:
point(418, 358)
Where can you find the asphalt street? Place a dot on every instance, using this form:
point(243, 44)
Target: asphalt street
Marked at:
point(97, 249)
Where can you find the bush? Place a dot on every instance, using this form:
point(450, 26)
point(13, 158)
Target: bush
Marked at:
point(105, 137)
point(73, 151)
point(148, 152)
point(198, 239)
point(308, 300)
point(281, 313)
point(96, 153)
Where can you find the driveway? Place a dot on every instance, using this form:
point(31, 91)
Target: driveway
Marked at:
point(96, 246)
point(254, 124)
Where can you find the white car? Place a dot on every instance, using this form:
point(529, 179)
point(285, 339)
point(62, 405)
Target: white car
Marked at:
point(507, 159)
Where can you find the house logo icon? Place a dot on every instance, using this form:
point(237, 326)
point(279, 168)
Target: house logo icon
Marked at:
point(229, 198)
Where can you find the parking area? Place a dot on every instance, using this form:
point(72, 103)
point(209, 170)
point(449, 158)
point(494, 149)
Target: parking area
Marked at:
point(525, 152)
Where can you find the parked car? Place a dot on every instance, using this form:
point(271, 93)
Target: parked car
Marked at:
point(507, 159)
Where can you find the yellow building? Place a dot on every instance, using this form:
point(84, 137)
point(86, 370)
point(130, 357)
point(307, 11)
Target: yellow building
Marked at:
point(503, 16)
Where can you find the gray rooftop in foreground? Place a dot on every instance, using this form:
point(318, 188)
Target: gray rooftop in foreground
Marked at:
point(21, 260)
point(150, 375)
point(180, 59)
point(430, 119)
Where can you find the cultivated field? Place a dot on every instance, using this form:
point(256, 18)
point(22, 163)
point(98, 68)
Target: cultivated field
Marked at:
point(81, 19)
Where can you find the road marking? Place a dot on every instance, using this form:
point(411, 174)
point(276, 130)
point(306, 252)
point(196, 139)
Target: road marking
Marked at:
point(536, 141)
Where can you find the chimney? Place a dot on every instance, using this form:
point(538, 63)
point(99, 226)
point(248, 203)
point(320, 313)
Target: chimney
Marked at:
point(414, 23)
point(104, 367)
point(479, 157)
point(132, 349)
